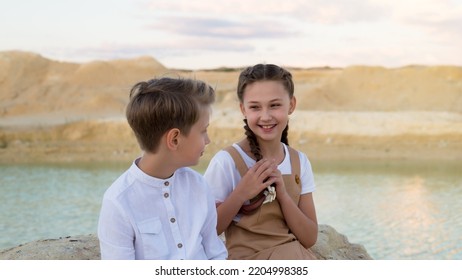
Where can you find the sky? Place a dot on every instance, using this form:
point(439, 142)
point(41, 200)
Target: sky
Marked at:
point(206, 34)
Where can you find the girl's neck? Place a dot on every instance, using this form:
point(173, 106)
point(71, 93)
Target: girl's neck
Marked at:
point(269, 150)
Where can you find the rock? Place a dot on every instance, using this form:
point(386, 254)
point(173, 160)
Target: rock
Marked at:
point(331, 245)
point(80, 247)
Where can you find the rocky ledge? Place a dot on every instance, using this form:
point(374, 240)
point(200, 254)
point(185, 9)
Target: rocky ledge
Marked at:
point(331, 245)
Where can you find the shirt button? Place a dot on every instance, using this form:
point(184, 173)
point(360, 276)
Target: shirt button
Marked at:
point(166, 183)
point(180, 245)
point(172, 220)
point(166, 195)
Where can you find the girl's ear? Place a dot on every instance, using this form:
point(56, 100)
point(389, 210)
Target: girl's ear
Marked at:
point(241, 105)
point(173, 138)
point(292, 105)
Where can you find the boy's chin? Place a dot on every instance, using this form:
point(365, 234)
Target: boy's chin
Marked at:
point(196, 162)
point(193, 163)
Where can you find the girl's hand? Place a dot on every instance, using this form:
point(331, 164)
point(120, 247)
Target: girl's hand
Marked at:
point(281, 190)
point(257, 178)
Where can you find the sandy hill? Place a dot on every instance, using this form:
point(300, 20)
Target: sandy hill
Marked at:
point(360, 88)
point(47, 106)
point(31, 84)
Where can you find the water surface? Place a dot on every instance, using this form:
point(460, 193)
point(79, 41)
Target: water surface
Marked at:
point(397, 210)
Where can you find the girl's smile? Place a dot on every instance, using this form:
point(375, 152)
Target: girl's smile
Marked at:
point(267, 128)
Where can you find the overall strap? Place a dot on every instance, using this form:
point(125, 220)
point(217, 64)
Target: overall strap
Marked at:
point(295, 164)
point(255, 202)
point(238, 160)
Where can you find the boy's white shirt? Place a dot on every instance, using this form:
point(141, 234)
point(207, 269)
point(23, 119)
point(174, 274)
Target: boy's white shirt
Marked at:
point(223, 176)
point(143, 217)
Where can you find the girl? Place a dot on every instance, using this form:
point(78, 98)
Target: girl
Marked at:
point(263, 188)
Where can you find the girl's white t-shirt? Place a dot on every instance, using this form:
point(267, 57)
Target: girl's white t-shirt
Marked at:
point(222, 175)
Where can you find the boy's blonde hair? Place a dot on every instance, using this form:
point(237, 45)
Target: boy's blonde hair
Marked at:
point(158, 105)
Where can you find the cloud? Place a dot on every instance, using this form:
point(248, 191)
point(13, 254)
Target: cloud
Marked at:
point(159, 50)
point(222, 28)
point(207, 33)
point(312, 11)
point(440, 20)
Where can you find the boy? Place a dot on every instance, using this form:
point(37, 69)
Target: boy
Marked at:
point(159, 208)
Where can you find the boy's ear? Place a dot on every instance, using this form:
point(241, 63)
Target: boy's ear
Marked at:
point(173, 138)
point(292, 105)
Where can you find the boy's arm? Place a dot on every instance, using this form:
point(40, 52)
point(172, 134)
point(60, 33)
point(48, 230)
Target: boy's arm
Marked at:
point(115, 234)
point(213, 245)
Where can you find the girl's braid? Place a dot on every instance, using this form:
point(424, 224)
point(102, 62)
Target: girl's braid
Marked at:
point(254, 147)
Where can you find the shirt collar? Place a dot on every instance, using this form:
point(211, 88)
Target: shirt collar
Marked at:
point(147, 179)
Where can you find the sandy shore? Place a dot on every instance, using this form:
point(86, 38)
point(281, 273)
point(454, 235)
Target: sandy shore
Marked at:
point(322, 135)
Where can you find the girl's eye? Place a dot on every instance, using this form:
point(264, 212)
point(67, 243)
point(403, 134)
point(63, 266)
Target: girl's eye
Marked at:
point(275, 105)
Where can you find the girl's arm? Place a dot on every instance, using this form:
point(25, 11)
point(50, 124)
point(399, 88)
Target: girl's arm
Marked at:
point(301, 219)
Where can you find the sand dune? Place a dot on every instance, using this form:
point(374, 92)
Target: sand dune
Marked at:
point(359, 88)
point(60, 111)
point(31, 84)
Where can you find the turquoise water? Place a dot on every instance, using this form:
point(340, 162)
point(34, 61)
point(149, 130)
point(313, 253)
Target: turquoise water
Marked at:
point(51, 201)
point(396, 210)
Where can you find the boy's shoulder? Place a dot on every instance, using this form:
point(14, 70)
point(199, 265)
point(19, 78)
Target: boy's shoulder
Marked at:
point(191, 177)
point(186, 169)
point(120, 185)
point(188, 172)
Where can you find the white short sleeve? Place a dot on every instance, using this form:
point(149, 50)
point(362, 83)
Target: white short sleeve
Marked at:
point(307, 176)
point(222, 175)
